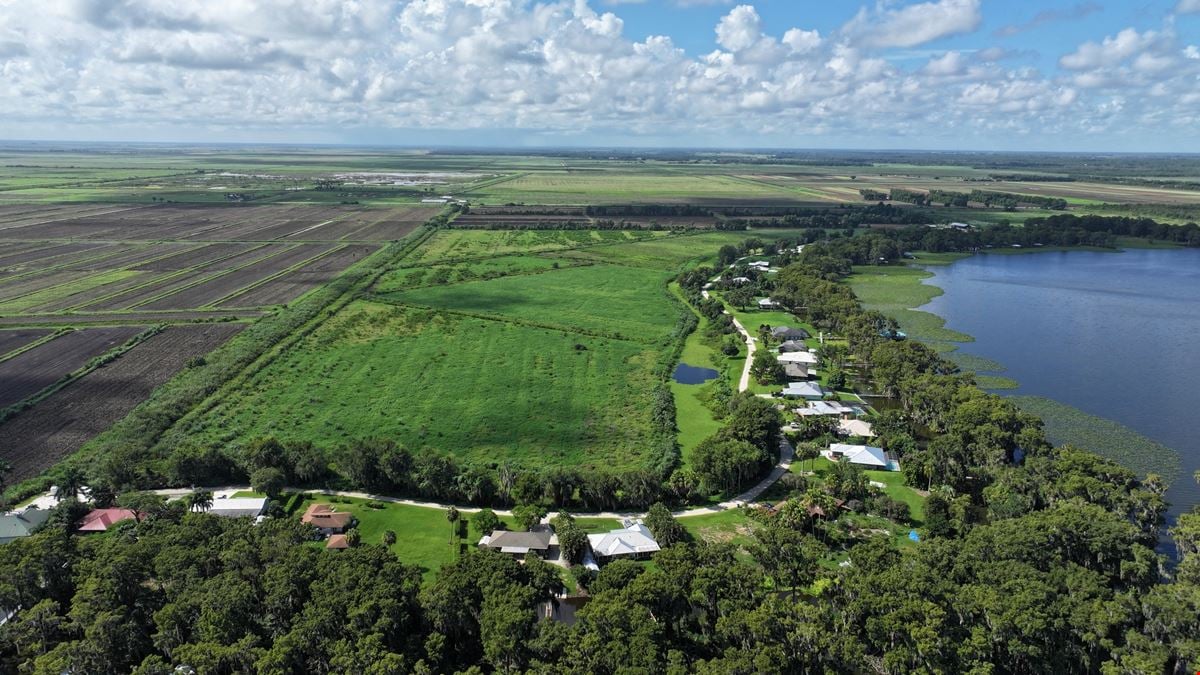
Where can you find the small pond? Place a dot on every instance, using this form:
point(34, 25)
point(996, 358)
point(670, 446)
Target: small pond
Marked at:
point(685, 374)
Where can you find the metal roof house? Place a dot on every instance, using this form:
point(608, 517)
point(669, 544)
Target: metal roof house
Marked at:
point(863, 455)
point(806, 390)
point(830, 408)
point(237, 507)
point(541, 541)
point(13, 526)
point(632, 541)
point(806, 358)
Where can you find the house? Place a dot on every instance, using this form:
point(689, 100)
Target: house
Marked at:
point(803, 358)
point(863, 455)
point(767, 303)
point(810, 391)
point(237, 507)
point(15, 525)
point(793, 346)
point(634, 541)
point(855, 428)
point(102, 520)
point(337, 542)
point(760, 265)
point(798, 371)
point(327, 519)
point(784, 333)
point(740, 280)
point(830, 409)
point(541, 541)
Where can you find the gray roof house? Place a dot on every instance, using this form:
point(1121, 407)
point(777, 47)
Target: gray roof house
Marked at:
point(634, 540)
point(792, 346)
point(810, 391)
point(540, 541)
point(16, 525)
point(786, 333)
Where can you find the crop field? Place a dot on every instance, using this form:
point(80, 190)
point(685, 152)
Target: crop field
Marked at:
point(583, 187)
point(36, 438)
point(35, 369)
point(483, 390)
point(14, 339)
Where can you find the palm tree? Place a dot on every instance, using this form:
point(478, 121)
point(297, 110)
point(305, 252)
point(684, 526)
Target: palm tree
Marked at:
point(201, 500)
point(452, 516)
point(70, 483)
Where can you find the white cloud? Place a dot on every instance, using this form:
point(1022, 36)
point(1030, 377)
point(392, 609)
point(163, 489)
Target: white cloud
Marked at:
point(913, 25)
point(557, 68)
point(1187, 7)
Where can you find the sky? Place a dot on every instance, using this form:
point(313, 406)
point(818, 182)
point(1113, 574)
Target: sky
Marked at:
point(1090, 75)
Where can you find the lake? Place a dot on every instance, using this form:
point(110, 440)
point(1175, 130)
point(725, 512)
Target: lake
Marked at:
point(1113, 334)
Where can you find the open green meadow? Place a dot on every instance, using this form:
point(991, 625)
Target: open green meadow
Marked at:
point(482, 390)
point(638, 185)
point(462, 244)
point(611, 300)
point(895, 291)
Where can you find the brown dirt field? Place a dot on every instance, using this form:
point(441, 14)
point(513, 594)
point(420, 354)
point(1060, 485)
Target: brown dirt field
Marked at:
point(139, 254)
point(193, 255)
point(19, 337)
point(42, 366)
point(47, 254)
point(130, 318)
point(386, 230)
point(298, 282)
point(219, 287)
point(151, 292)
point(35, 439)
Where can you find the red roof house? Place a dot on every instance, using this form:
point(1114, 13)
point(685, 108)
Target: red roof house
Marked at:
point(100, 520)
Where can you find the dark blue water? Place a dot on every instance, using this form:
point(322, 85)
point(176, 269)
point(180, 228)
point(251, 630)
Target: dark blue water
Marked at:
point(685, 374)
point(1113, 334)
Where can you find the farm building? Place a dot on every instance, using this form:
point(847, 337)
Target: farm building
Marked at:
point(102, 520)
point(327, 519)
point(13, 526)
point(806, 390)
point(237, 507)
point(541, 541)
point(862, 455)
point(633, 541)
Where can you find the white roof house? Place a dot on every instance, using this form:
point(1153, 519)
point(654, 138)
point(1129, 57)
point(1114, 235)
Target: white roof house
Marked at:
point(631, 541)
point(831, 408)
point(807, 390)
point(237, 507)
point(807, 358)
point(863, 455)
point(740, 280)
point(760, 264)
point(856, 428)
point(767, 303)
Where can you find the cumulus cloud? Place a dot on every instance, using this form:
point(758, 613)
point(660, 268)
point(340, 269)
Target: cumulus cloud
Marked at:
point(885, 26)
point(555, 67)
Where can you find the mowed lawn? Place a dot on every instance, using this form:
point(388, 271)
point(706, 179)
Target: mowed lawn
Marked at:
point(609, 299)
point(483, 390)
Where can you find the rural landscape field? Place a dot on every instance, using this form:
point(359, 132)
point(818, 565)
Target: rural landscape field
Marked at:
point(613, 337)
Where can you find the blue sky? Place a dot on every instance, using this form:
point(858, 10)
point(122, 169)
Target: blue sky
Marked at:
point(1089, 75)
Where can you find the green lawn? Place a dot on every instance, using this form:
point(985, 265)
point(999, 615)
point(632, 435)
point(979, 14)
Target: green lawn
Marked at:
point(896, 488)
point(482, 390)
point(730, 526)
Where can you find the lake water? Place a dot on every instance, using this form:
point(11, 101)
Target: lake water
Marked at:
point(1113, 334)
point(685, 374)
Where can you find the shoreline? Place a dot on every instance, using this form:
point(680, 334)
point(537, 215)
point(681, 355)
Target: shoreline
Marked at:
point(902, 292)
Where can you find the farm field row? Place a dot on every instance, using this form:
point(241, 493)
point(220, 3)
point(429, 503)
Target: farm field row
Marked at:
point(35, 369)
point(34, 439)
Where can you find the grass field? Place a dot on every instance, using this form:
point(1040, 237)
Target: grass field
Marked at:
point(577, 187)
point(895, 291)
point(604, 299)
point(458, 244)
point(482, 390)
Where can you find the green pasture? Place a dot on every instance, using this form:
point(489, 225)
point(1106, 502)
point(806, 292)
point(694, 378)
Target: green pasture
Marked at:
point(456, 244)
point(602, 299)
point(451, 273)
point(483, 390)
point(580, 187)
